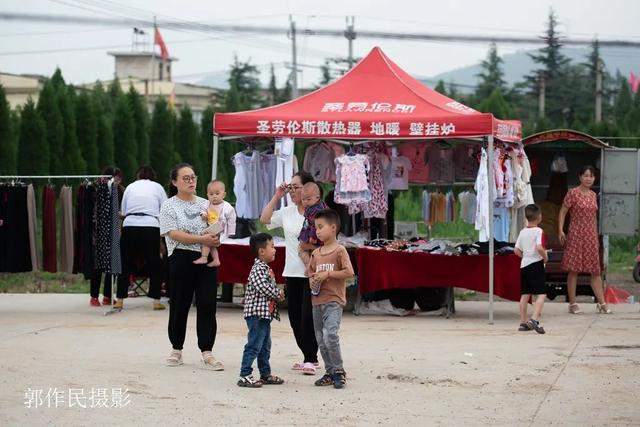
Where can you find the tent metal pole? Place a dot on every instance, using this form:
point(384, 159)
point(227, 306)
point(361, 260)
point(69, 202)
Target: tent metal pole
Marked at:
point(214, 158)
point(491, 186)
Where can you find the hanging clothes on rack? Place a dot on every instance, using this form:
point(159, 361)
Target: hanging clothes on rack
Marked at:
point(418, 155)
point(319, 160)
point(426, 207)
point(441, 165)
point(467, 200)
point(104, 224)
point(379, 161)
point(33, 226)
point(286, 166)
point(15, 252)
point(66, 230)
point(49, 250)
point(400, 170)
point(465, 162)
point(482, 194)
point(116, 261)
point(352, 186)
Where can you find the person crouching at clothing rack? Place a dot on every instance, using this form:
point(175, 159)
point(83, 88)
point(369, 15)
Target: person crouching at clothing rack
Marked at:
point(140, 241)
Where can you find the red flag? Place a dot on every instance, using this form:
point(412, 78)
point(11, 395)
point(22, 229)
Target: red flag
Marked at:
point(163, 47)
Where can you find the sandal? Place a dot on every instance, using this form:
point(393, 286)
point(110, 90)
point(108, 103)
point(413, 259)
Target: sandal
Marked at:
point(574, 309)
point(298, 366)
point(271, 380)
point(603, 309)
point(175, 358)
point(524, 327)
point(309, 369)
point(326, 380)
point(209, 362)
point(249, 382)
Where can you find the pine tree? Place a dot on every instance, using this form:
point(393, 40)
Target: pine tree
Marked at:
point(73, 162)
point(552, 69)
point(206, 144)
point(124, 139)
point(497, 105)
point(441, 88)
point(105, 141)
point(49, 111)
point(33, 147)
point(286, 94)
point(141, 123)
point(87, 126)
point(274, 94)
point(162, 151)
point(114, 92)
point(187, 134)
point(57, 80)
point(8, 146)
point(491, 76)
point(624, 102)
point(244, 80)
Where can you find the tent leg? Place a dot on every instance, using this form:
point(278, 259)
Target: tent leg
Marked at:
point(491, 231)
point(214, 158)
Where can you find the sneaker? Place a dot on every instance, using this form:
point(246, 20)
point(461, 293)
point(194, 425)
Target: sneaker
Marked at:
point(339, 379)
point(158, 306)
point(119, 305)
point(309, 368)
point(535, 325)
point(249, 382)
point(106, 301)
point(94, 302)
point(175, 358)
point(327, 379)
point(209, 362)
point(525, 327)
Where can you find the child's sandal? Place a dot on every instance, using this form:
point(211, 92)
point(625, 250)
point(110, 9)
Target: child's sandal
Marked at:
point(271, 380)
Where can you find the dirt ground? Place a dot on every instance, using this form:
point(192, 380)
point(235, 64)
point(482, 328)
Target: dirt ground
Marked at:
point(422, 370)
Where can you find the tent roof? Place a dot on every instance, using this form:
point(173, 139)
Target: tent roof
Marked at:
point(563, 135)
point(376, 99)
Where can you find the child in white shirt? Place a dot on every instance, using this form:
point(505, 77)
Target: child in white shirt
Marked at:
point(221, 220)
point(530, 248)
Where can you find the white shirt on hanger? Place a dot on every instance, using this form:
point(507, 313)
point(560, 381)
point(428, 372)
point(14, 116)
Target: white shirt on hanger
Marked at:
point(291, 221)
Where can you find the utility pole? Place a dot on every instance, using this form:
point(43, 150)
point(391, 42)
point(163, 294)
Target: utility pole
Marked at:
point(599, 67)
point(350, 34)
point(542, 84)
point(294, 59)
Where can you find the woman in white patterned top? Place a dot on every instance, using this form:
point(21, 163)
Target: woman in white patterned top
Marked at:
point(182, 226)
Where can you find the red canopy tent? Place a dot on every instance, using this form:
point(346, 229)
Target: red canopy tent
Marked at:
point(375, 100)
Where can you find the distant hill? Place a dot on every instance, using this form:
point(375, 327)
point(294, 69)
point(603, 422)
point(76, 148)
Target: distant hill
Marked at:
point(517, 65)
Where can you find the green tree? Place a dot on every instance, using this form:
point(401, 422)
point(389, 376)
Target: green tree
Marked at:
point(49, 111)
point(57, 80)
point(497, 105)
point(104, 118)
point(162, 151)
point(552, 66)
point(206, 145)
point(187, 142)
point(33, 147)
point(8, 143)
point(114, 92)
point(87, 126)
point(72, 160)
point(624, 102)
point(141, 122)
point(441, 88)
point(491, 76)
point(273, 93)
point(244, 84)
point(124, 138)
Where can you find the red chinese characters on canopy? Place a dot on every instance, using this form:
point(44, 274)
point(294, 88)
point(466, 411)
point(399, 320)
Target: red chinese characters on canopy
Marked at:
point(375, 99)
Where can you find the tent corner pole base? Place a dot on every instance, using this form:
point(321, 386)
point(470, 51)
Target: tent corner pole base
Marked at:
point(490, 180)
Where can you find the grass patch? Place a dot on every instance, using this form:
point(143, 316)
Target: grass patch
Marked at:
point(43, 282)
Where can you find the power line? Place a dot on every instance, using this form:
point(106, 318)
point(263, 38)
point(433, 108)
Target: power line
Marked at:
point(322, 32)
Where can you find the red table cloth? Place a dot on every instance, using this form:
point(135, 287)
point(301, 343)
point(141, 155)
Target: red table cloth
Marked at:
point(380, 270)
point(236, 262)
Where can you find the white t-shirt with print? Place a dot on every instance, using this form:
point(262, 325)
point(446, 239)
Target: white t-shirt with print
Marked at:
point(400, 167)
point(177, 214)
point(528, 240)
point(291, 221)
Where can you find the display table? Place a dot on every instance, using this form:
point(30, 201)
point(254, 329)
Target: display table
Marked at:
point(380, 269)
point(236, 261)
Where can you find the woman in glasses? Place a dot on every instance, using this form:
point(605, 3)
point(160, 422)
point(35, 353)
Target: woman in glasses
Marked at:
point(182, 226)
point(291, 219)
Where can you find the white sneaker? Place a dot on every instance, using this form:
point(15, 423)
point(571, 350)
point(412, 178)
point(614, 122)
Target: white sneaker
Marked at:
point(209, 362)
point(175, 358)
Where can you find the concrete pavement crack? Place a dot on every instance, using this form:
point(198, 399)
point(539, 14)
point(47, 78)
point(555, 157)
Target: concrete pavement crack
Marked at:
point(546, 395)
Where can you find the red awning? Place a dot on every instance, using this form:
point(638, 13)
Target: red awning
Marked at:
point(374, 100)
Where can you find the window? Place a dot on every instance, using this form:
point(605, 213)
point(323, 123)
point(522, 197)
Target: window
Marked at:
point(160, 70)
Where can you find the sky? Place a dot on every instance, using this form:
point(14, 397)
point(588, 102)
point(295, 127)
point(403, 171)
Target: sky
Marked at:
point(30, 47)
